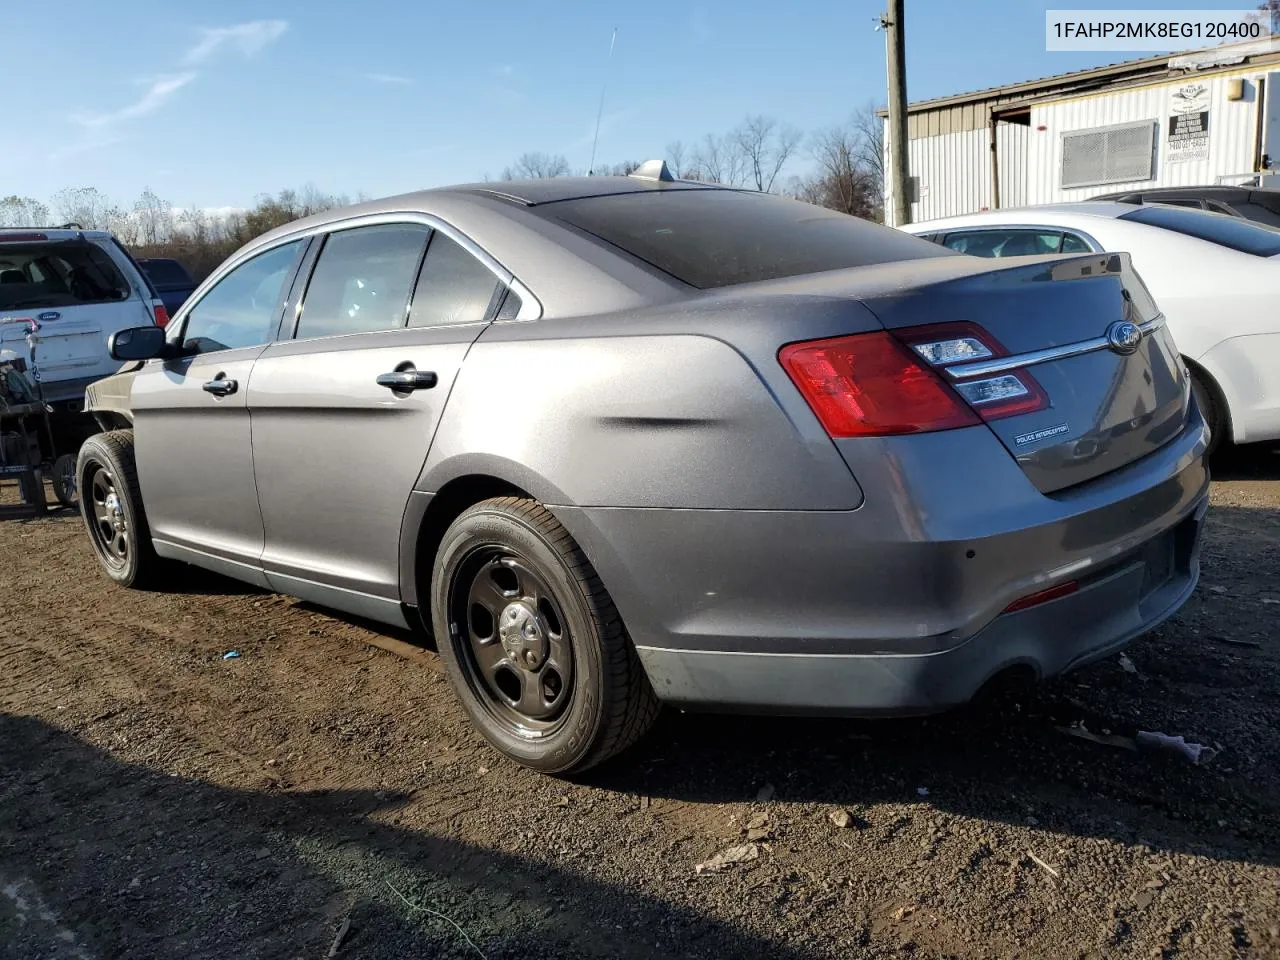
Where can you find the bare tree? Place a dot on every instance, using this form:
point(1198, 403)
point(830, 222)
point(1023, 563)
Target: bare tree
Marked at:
point(1274, 7)
point(83, 205)
point(537, 166)
point(154, 216)
point(124, 224)
point(626, 168)
point(18, 211)
point(675, 159)
point(842, 181)
point(869, 130)
point(718, 160)
point(762, 147)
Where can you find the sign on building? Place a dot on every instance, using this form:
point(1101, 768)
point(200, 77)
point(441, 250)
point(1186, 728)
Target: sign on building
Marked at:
point(1188, 123)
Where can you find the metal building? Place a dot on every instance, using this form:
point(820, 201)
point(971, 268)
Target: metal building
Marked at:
point(1205, 117)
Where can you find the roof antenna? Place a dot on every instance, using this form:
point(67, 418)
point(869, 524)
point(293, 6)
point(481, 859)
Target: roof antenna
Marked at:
point(591, 168)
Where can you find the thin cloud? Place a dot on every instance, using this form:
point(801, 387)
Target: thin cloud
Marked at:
point(390, 78)
point(247, 38)
point(87, 145)
point(160, 90)
point(607, 122)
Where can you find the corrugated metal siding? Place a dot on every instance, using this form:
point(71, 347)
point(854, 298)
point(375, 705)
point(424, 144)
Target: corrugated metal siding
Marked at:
point(954, 172)
point(1232, 127)
point(1011, 158)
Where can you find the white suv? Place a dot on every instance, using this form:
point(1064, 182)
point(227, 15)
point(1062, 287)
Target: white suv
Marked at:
point(63, 292)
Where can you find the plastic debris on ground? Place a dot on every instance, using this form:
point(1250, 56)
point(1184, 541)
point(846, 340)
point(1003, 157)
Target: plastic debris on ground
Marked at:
point(1126, 664)
point(1146, 741)
point(728, 858)
point(231, 655)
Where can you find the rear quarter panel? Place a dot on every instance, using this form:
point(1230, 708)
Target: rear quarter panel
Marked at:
point(657, 412)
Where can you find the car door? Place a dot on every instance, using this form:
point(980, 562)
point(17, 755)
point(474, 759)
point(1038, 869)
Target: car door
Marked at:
point(345, 410)
point(191, 420)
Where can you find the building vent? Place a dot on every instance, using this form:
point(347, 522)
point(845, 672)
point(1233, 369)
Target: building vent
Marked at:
point(1117, 154)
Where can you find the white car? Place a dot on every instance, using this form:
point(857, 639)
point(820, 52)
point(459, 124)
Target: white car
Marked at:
point(1215, 277)
point(63, 292)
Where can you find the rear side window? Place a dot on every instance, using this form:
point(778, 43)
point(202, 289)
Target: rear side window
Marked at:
point(454, 287)
point(362, 280)
point(714, 238)
point(62, 274)
point(1234, 233)
point(1005, 243)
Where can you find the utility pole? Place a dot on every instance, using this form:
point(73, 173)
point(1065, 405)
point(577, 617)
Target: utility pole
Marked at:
point(896, 64)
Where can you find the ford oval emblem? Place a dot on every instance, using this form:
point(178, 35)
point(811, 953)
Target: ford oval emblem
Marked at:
point(1124, 337)
point(48, 315)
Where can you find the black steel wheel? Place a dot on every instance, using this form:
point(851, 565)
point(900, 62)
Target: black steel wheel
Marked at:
point(111, 508)
point(531, 641)
point(109, 527)
point(63, 476)
point(518, 657)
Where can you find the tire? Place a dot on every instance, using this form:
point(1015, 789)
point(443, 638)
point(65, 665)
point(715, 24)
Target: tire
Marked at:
point(557, 685)
point(1211, 409)
point(64, 476)
point(111, 506)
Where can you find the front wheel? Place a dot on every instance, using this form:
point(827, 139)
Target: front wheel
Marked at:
point(531, 641)
point(111, 506)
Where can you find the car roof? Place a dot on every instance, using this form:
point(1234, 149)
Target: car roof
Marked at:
point(53, 233)
point(1217, 191)
point(1048, 214)
point(554, 189)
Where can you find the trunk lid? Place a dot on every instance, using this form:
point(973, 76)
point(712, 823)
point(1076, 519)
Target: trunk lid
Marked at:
point(1114, 393)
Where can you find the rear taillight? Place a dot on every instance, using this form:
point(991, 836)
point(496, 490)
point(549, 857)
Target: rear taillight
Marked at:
point(870, 385)
point(162, 313)
point(948, 347)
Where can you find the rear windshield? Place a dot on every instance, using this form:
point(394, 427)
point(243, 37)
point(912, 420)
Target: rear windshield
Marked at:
point(62, 274)
point(713, 238)
point(1235, 233)
point(166, 273)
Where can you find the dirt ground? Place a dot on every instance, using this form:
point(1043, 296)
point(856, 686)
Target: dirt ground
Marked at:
point(158, 800)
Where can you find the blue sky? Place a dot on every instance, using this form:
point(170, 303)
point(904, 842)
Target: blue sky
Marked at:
point(211, 104)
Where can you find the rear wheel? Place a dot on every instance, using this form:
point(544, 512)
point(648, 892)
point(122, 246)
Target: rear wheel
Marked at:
point(531, 641)
point(111, 506)
point(1211, 409)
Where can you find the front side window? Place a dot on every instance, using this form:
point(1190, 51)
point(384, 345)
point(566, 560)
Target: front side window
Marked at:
point(242, 309)
point(1005, 243)
point(454, 287)
point(362, 280)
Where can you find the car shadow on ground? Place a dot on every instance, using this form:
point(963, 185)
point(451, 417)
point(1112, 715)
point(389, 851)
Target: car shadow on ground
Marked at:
point(1255, 461)
point(131, 861)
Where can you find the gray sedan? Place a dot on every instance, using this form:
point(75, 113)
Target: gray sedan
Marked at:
point(616, 442)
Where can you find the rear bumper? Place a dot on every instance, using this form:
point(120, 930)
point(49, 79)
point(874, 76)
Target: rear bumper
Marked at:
point(1046, 640)
point(897, 606)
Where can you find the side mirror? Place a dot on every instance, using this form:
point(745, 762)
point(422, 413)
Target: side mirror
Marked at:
point(137, 343)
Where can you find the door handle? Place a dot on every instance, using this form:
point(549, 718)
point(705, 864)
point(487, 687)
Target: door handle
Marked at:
point(221, 386)
point(407, 380)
